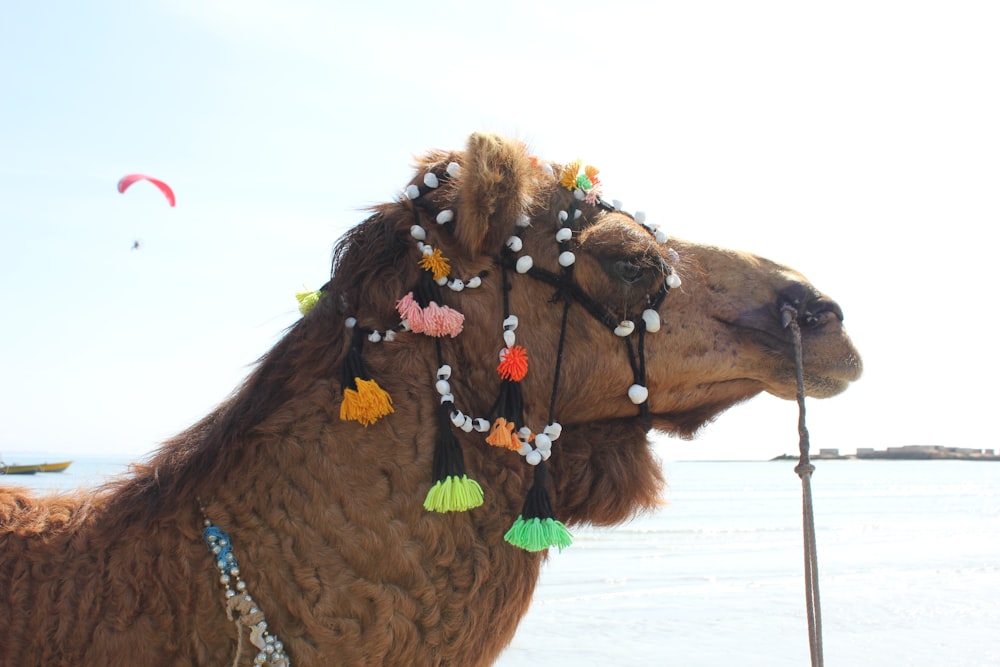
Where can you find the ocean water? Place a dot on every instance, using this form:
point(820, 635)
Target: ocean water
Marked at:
point(909, 563)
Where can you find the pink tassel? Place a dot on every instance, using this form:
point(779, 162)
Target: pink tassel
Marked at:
point(410, 310)
point(442, 321)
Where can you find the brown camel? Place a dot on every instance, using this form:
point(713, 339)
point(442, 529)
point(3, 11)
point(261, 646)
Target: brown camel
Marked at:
point(500, 300)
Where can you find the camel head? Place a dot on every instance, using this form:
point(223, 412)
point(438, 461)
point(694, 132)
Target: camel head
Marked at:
point(512, 292)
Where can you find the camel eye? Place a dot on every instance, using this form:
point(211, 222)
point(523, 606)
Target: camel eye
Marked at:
point(629, 272)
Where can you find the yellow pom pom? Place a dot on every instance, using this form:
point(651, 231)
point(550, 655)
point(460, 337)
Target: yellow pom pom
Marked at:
point(567, 178)
point(437, 264)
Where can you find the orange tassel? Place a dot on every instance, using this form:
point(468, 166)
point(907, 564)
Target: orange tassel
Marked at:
point(502, 435)
point(568, 177)
point(513, 363)
point(437, 264)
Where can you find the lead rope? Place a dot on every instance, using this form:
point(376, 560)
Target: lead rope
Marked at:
point(804, 469)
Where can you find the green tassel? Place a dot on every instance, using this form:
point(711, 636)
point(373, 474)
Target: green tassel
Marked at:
point(308, 300)
point(538, 534)
point(454, 494)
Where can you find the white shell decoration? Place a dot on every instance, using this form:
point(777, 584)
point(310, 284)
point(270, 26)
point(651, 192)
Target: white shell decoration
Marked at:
point(567, 259)
point(374, 337)
point(480, 425)
point(510, 322)
point(625, 328)
point(456, 285)
point(417, 232)
point(651, 318)
point(390, 336)
point(673, 280)
point(509, 338)
point(640, 217)
point(445, 216)
point(444, 373)
point(412, 192)
point(553, 430)
point(466, 424)
point(515, 244)
point(524, 264)
point(457, 418)
point(448, 398)
point(617, 203)
point(563, 216)
point(564, 234)
point(672, 254)
point(442, 281)
point(454, 169)
point(534, 457)
point(543, 442)
point(523, 221)
point(661, 236)
point(442, 387)
point(638, 394)
point(474, 282)
point(351, 322)
point(430, 180)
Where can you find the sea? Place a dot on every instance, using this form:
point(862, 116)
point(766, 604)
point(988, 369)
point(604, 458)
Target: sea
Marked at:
point(909, 565)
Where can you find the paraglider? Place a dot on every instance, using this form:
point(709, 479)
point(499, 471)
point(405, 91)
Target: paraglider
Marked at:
point(126, 182)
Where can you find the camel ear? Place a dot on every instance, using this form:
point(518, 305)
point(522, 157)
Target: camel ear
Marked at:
point(494, 190)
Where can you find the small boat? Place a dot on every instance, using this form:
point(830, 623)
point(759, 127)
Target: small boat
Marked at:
point(54, 467)
point(19, 470)
point(15, 469)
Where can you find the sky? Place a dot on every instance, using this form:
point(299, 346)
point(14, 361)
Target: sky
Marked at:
point(858, 142)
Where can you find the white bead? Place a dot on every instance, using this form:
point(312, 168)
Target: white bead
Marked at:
point(457, 418)
point(509, 338)
point(426, 249)
point(534, 457)
point(543, 442)
point(579, 194)
point(466, 424)
point(444, 373)
point(350, 322)
point(480, 425)
point(456, 285)
point(524, 432)
point(525, 449)
point(567, 259)
point(638, 394)
point(442, 281)
point(515, 244)
point(405, 324)
point(445, 216)
point(672, 254)
point(617, 203)
point(564, 234)
point(673, 280)
point(510, 322)
point(661, 236)
point(640, 217)
point(563, 216)
point(553, 430)
point(374, 337)
point(651, 318)
point(430, 180)
point(417, 232)
point(442, 387)
point(390, 336)
point(524, 264)
point(474, 282)
point(447, 398)
point(625, 328)
point(577, 214)
point(412, 191)
point(523, 221)
point(546, 453)
point(454, 169)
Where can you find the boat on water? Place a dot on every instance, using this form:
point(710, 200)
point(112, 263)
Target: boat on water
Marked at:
point(14, 469)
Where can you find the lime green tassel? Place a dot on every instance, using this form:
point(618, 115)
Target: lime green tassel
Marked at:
point(454, 494)
point(307, 300)
point(538, 534)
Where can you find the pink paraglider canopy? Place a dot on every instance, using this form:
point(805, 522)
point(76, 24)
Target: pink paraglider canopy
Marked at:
point(128, 180)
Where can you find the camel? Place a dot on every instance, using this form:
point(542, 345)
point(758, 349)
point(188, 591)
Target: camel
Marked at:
point(479, 376)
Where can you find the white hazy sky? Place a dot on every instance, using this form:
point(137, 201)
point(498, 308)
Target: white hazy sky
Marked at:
point(856, 141)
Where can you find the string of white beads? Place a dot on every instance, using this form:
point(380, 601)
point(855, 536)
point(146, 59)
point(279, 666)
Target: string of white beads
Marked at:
point(271, 649)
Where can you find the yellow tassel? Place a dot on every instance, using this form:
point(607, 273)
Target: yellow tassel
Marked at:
point(367, 404)
point(568, 176)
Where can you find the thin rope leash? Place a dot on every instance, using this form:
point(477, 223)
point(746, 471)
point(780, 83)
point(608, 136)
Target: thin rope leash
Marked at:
point(804, 469)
